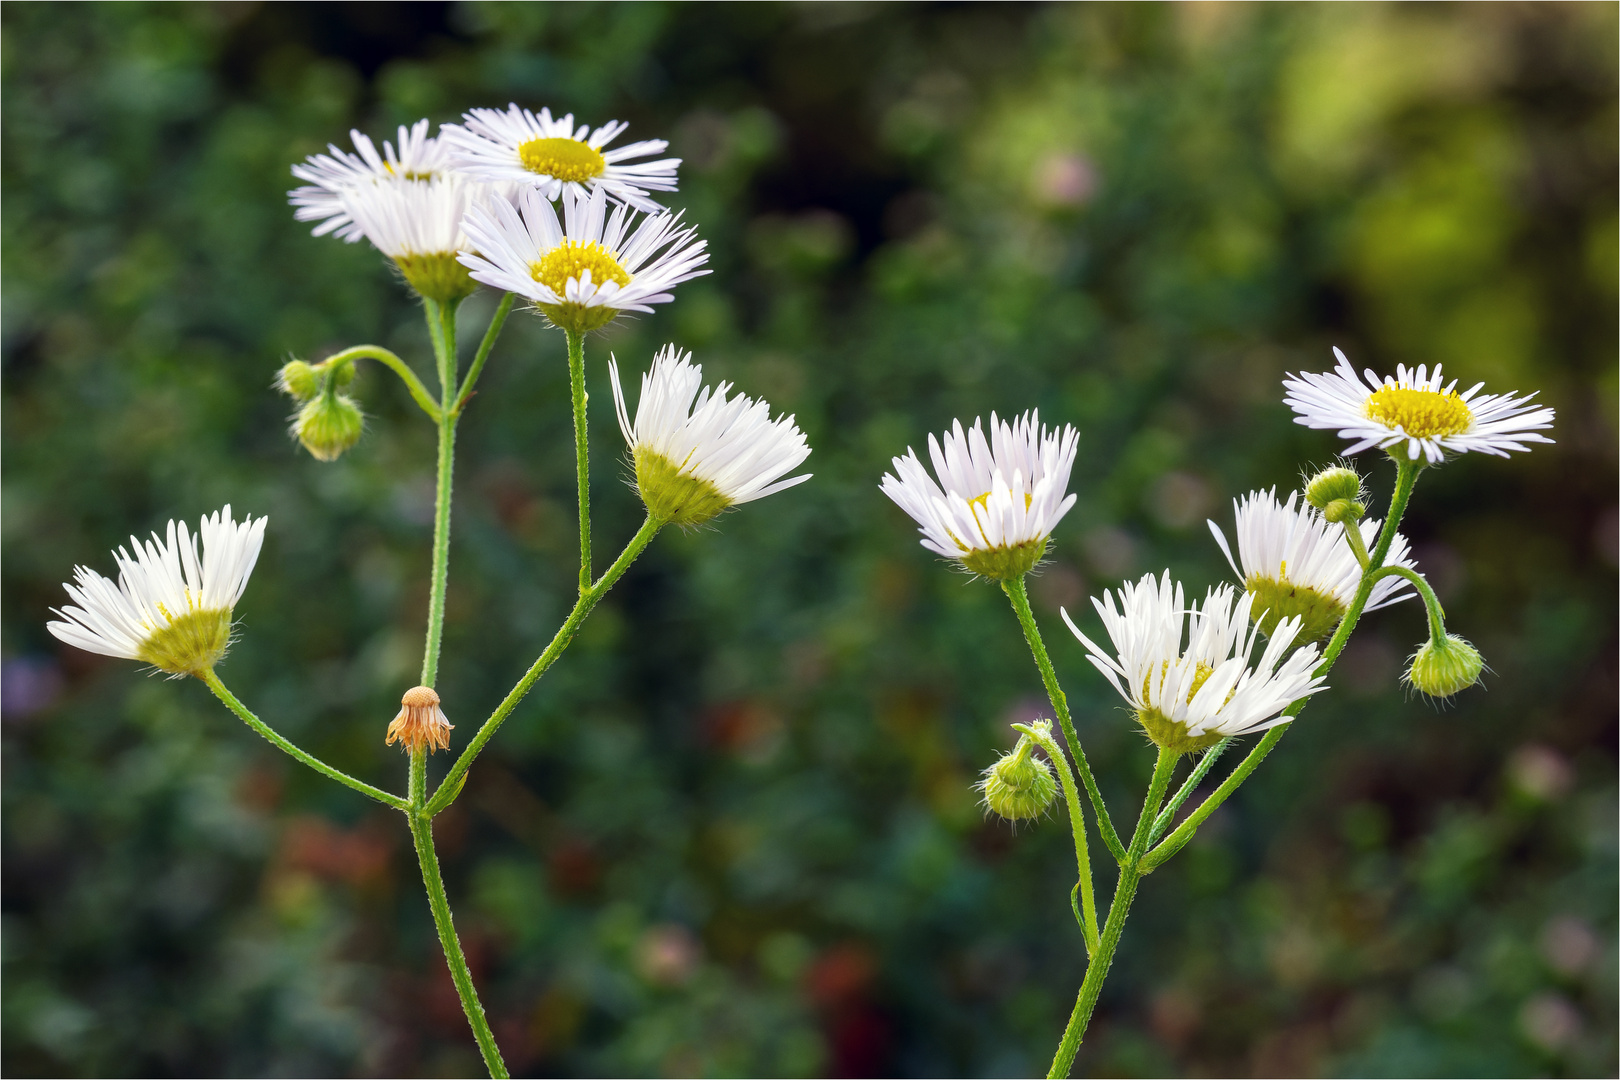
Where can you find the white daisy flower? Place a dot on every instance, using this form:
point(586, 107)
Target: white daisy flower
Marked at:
point(1001, 497)
point(1190, 698)
point(1423, 411)
point(418, 224)
point(171, 607)
point(552, 156)
point(593, 265)
point(1296, 563)
point(696, 458)
point(329, 176)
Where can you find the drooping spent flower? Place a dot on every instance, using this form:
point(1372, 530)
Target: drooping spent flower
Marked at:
point(1294, 562)
point(1416, 408)
point(554, 156)
point(997, 500)
point(171, 607)
point(587, 269)
point(420, 722)
point(1019, 785)
point(695, 458)
point(1190, 697)
point(1444, 666)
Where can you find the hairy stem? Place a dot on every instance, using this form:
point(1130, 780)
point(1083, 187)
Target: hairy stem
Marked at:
point(444, 343)
point(283, 744)
point(1205, 763)
point(1019, 595)
point(496, 321)
point(582, 453)
point(392, 362)
point(1431, 602)
point(1077, 824)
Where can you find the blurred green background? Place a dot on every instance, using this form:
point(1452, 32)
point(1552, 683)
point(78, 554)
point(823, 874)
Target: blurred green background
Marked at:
point(732, 833)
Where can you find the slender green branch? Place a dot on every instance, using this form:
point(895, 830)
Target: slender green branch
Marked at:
point(1352, 534)
point(582, 452)
point(1431, 602)
point(288, 747)
point(1125, 892)
point(1405, 478)
point(1019, 595)
point(442, 326)
point(392, 362)
point(1205, 763)
point(1077, 824)
point(455, 959)
point(497, 321)
point(450, 786)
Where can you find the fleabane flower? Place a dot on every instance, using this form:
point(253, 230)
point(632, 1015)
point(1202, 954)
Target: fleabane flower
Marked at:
point(329, 176)
point(583, 271)
point(997, 500)
point(171, 607)
point(1295, 563)
point(1422, 411)
point(1189, 697)
point(553, 156)
point(697, 452)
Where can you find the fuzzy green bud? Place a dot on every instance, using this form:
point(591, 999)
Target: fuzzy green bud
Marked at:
point(1337, 484)
point(1020, 785)
point(1443, 667)
point(340, 371)
point(329, 425)
point(299, 380)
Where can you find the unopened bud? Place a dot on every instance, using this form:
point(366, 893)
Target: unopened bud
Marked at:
point(420, 723)
point(342, 371)
point(1335, 485)
point(299, 380)
point(328, 425)
point(1020, 785)
point(1443, 667)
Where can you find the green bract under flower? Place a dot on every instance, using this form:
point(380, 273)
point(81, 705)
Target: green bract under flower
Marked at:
point(437, 276)
point(1276, 599)
point(329, 425)
point(190, 644)
point(672, 496)
point(1005, 563)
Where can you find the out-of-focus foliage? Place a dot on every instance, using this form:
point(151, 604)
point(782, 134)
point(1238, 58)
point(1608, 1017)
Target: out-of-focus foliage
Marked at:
point(732, 832)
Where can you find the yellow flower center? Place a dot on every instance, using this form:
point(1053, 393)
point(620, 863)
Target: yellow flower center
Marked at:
point(1201, 676)
point(565, 159)
point(1422, 414)
point(410, 174)
point(571, 259)
point(1172, 734)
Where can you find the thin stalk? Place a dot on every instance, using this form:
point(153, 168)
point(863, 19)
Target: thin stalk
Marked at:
point(455, 959)
point(1431, 602)
point(1352, 534)
point(1077, 824)
point(1019, 595)
point(1405, 478)
point(1205, 763)
point(1118, 909)
point(442, 327)
point(497, 321)
point(582, 453)
point(294, 751)
point(451, 784)
point(392, 362)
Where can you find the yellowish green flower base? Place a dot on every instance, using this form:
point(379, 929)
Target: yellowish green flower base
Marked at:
point(1172, 735)
point(1276, 600)
point(1005, 563)
point(191, 644)
point(673, 497)
point(438, 277)
point(1019, 786)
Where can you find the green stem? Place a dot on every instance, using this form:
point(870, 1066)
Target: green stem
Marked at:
point(455, 959)
point(1352, 534)
point(484, 347)
point(451, 784)
point(1205, 763)
point(1405, 478)
point(419, 393)
point(1431, 602)
point(1077, 824)
point(1118, 909)
point(283, 744)
point(442, 327)
point(582, 453)
point(1019, 595)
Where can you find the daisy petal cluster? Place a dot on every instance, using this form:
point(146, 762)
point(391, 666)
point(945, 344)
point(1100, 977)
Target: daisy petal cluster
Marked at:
point(698, 452)
point(1416, 408)
point(553, 156)
point(586, 269)
point(997, 500)
point(1188, 697)
point(171, 606)
point(329, 177)
point(1294, 562)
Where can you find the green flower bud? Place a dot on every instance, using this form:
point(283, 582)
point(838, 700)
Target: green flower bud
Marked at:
point(1020, 785)
point(1442, 668)
point(299, 380)
point(342, 371)
point(329, 425)
point(1335, 485)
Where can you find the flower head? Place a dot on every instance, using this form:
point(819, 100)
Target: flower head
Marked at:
point(1444, 666)
point(997, 500)
point(1296, 563)
point(1189, 698)
point(554, 156)
point(587, 269)
point(696, 458)
point(330, 176)
point(1416, 408)
point(171, 607)
point(420, 722)
point(1019, 785)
